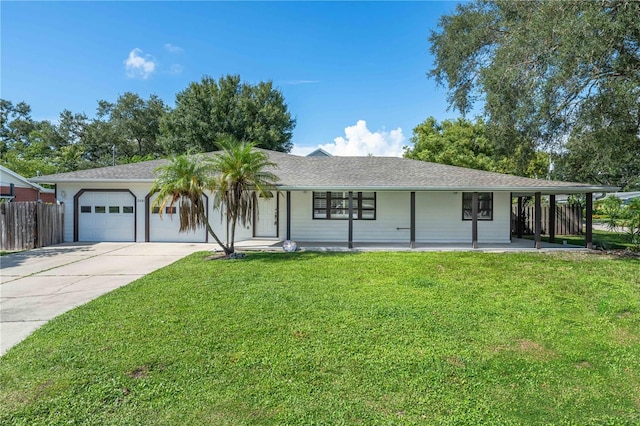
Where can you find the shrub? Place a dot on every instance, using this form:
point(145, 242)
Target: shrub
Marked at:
point(612, 212)
point(632, 222)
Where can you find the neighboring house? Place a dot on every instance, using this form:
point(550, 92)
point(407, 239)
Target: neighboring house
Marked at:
point(14, 187)
point(391, 200)
point(319, 153)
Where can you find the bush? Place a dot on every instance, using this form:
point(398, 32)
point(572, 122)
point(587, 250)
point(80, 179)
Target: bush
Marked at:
point(632, 221)
point(611, 212)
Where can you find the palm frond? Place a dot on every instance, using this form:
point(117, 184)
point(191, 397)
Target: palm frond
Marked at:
point(234, 176)
point(239, 172)
point(183, 181)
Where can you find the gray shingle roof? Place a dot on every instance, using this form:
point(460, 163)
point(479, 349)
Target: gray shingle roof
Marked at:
point(352, 173)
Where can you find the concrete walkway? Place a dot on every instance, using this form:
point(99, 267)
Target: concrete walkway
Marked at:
point(516, 245)
point(40, 284)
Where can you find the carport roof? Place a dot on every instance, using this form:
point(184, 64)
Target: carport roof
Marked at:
point(353, 173)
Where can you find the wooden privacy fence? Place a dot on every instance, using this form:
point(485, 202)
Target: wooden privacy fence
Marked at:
point(568, 219)
point(26, 225)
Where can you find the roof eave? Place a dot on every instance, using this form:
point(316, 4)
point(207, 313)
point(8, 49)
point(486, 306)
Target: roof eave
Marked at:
point(517, 190)
point(23, 179)
point(79, 180)
point(570, 189)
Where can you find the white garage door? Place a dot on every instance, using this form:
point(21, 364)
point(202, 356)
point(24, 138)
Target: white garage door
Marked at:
point(106, 216)
point(165, 228)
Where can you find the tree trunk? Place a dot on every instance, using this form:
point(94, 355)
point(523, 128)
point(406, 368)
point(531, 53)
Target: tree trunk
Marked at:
point(226, 249)
point(233, 234)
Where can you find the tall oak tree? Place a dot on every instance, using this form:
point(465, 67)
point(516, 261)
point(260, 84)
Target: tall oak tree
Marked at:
point(548, 73)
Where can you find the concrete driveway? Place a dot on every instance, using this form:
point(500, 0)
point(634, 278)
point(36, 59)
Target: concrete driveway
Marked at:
point(40, 284)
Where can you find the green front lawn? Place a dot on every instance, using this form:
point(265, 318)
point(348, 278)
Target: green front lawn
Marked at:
point(373, 338)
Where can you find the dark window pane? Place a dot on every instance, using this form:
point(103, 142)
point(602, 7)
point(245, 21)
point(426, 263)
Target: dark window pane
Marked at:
point(368, 214)
point(368, 204)
point(100, 209)
point(170, 210)
point(114, 209)
point(155, 210)
point(85, 209)
point(339, 195)
point(485, 206)
point(127, 209)
point(320, 203)
point(339, 213)
point(320, 214)
point(337, 205)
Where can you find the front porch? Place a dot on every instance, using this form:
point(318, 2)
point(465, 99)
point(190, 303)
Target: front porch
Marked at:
point(416, 217)
point(516, 245)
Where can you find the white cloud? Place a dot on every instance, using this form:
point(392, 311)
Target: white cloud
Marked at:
point(172, 49)
point(360, 141)
point(139, 66)
point(176, 69)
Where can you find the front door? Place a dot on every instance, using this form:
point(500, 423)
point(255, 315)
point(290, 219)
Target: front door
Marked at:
point(266, 220)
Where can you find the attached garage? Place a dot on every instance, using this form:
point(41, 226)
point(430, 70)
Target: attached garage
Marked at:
point(105, 215)
point(165, 227)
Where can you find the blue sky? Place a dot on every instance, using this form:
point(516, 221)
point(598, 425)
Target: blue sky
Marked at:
point(353, 74)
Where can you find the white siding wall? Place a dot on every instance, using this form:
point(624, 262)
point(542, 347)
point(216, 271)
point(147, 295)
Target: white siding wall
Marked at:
point(438, 219)
point(243, 232)
point(219, 225)
point(166, 227)
point(392, 212)
point(498, 230)
point(304, 228)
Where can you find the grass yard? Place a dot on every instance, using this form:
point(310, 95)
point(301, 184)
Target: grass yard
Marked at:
point(342, 338)
point(603, 239)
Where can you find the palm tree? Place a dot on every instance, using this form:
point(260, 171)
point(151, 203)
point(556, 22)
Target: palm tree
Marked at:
point(235, 176)
point(239, 176)
point(184, 180)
